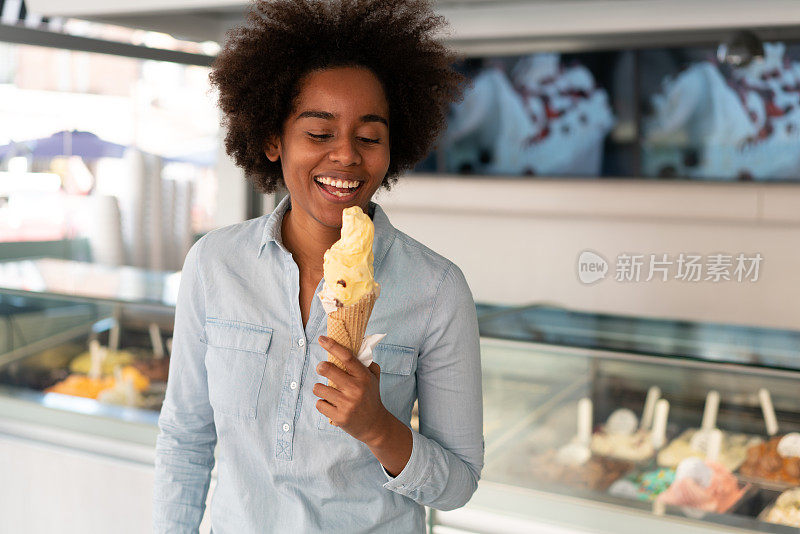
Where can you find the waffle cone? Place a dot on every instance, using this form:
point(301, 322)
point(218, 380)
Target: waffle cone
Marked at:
point(347, 326)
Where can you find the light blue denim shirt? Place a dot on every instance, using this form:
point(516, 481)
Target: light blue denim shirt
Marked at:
point(241, 377)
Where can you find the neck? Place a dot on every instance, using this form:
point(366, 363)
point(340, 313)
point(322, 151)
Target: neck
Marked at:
point(307, 239)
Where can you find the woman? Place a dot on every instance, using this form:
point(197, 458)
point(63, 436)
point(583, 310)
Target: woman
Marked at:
point(313, 93)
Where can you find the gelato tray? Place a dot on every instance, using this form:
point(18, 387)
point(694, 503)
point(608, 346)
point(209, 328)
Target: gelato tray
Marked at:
point(597, 473)
point(772, 464)
point(643, 485)
point(703, 485)
point(785, 510)
point(75, 364)
point(689, 445)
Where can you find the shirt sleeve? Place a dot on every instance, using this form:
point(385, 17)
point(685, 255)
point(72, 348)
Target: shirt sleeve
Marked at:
point(447, 452)
point(187, 435)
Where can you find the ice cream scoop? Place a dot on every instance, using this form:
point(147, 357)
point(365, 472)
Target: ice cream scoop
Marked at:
point(347, 265)
point(789, 445)
point(619, 437)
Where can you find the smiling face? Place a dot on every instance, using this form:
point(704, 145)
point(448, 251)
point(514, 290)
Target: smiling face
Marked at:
point(334, 148)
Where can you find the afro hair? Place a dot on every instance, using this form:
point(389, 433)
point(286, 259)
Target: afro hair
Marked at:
point(258, 73)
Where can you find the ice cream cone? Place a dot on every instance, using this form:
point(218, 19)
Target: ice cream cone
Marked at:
point(347, 326)
point(350, 290)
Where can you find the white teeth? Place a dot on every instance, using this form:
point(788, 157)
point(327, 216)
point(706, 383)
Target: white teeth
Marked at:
point(341, 184)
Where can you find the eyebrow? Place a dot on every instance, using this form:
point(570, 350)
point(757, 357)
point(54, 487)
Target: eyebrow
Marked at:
point(316, 114)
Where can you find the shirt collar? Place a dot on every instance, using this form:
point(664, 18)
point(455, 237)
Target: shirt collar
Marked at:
point(384, 231)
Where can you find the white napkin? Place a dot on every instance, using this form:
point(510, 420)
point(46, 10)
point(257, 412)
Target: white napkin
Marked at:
point(365, 352)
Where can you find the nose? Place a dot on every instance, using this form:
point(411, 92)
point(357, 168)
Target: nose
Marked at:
point(345, 152)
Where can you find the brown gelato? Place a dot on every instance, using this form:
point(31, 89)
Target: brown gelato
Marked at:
point(596, 474)
point(157, 370)
point(763, 461)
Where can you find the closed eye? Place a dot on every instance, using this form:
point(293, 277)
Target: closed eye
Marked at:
point(322, 137)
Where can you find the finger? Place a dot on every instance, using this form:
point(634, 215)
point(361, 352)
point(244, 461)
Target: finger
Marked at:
point(332, 395)
point(335, 375)
point(327, 409)
point(341, 353)
point(375, 369)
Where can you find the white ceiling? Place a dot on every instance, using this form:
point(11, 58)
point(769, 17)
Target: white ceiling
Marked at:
point(470, 20)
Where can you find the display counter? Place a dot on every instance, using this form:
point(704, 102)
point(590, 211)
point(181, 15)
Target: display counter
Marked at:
point(85, 347)
point(588, 419)
point(619, 481)
point(725, 392)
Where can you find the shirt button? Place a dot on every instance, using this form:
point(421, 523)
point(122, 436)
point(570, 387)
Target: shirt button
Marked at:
point(285, 427)
point(293, 385)
point(301, 342)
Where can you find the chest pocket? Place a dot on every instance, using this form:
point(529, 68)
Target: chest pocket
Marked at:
point(236, 360)
point(398, 364)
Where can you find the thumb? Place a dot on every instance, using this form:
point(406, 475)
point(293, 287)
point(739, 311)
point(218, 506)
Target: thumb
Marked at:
point(375, 369)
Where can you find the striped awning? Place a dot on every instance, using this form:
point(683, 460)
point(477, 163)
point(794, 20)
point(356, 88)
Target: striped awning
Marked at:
point(14, 13)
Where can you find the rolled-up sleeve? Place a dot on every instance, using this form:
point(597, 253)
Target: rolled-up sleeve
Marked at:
point(447, 452)
point(187, 437)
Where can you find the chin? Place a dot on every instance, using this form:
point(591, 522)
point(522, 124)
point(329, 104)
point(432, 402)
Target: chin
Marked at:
point(331, 215)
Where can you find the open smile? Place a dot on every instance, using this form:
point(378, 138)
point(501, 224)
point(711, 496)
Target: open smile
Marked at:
point(338, 190)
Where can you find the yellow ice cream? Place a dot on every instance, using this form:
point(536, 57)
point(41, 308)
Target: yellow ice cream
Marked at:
point(83, 362)
point(347, 265)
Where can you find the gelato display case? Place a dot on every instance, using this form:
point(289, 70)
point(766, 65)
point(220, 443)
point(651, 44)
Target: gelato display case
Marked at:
point(592, 423)
point(81, 340)
point(597, 420)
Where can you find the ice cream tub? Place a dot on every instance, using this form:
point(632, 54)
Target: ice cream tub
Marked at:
point(703, 486)
point(643, 484)
point(732, 454)
point(744, 493)
point(597, 473)
point(773, 464)
point(784, 509)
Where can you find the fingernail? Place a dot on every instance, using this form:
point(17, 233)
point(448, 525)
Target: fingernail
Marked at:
point(324, 339)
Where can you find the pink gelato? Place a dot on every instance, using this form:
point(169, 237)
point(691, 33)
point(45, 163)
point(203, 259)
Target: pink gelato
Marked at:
point(704, 485)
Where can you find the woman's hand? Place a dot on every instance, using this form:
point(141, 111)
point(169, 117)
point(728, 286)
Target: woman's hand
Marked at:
point(356, 405)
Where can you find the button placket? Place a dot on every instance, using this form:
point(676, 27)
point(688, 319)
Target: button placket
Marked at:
point(289, 408)
point(287, 405)
point(290, 391)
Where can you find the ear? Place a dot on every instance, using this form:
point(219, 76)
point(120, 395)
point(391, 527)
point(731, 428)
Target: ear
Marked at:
point(272, 149)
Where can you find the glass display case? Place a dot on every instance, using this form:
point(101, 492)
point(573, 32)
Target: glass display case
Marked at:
point(640, 423)
point(588, 419)
point(85, 347)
